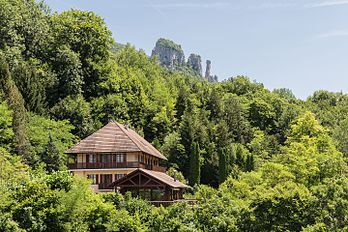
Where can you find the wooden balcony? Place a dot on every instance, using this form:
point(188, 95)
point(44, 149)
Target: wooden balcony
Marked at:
point(106, 165)
point(105, 186)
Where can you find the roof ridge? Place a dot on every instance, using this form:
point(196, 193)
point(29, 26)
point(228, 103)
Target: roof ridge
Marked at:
point(123, 130)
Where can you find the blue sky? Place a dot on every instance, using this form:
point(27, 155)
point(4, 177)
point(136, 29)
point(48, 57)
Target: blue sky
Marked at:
point(297, 44)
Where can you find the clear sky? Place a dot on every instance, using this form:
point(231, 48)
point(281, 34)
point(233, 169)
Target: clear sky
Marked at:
point(297, 44)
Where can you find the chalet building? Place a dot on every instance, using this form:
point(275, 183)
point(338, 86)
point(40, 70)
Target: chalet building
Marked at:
point(116, 158)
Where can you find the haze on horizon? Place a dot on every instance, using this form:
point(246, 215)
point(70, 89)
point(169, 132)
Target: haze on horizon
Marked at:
point(300, 45)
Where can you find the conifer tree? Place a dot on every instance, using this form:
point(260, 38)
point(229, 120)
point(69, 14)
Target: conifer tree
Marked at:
point(51, 156)
point(223, 164)
point(195, 164)
point(249, 163)
point(16, 103)
point(226, 161)
point(232, 155)
point(32, 90)
point(239, 156)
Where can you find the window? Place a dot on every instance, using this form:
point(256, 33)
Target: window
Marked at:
point(106, 178)
point(92, 177)
point(92, 158)
point(106, 158)
point(120, 157)
point(119, 176)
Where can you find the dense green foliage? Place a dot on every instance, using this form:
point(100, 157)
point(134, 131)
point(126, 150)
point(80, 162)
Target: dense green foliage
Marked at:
point(258, 160)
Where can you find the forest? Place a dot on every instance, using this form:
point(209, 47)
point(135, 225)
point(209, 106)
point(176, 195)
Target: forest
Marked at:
point(257, 160)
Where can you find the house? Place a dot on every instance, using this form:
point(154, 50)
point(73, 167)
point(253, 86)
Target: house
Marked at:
point(116, 158)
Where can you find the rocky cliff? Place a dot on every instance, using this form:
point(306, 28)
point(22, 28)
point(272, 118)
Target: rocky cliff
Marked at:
point(170, 55)
point(195, 63)
point(208, 76)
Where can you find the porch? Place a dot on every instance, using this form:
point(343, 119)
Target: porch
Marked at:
point(156, 187)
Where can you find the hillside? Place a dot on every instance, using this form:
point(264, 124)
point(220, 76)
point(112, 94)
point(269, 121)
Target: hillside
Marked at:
point(267, 161)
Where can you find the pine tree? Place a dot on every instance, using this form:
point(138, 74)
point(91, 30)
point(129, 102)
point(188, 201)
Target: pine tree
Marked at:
point(195, 164)
point(232, 155)
point(16, 103)
point(249, 164)
point(223, 164)
point(31, 88)
point(227, 159)
point(239, 156)
point(51, 156)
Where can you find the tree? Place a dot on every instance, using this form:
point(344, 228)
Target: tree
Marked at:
point(16, 103)
point(288, 207)
point(234, 113)
point(178, 175)
point(6, 132)
point(12, 174)
point(67, 66)
point(224, 164)
point(249, 163)
point(39, 129)
point(191, 129)
point(261, 114)
point(51, 156)
point(85, 34)
point(31, 87)
point(310, 152)
point(195, 165)
point(78, 111)
point(25, 26)
point(174, 150)
point(240, 159)
point(340, 133)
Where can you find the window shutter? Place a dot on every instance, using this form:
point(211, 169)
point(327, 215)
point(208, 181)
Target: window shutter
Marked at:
point(87, 158)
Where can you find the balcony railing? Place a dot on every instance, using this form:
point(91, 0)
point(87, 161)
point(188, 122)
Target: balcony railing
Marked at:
point(105, 186)
point(105, 165)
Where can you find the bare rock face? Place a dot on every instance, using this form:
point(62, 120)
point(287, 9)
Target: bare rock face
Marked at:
point(207, 69)
point(169, 54)
point(195, 63)
point(208, 76)
point(213, 78)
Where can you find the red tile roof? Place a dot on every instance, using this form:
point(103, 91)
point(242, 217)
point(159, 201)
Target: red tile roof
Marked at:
point(114, 137)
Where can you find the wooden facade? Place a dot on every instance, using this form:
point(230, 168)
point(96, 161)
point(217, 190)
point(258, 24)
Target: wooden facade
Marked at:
point(151, 185)
point(112, 153)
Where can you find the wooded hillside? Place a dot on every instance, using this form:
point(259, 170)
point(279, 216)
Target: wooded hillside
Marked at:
point(259, 160)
